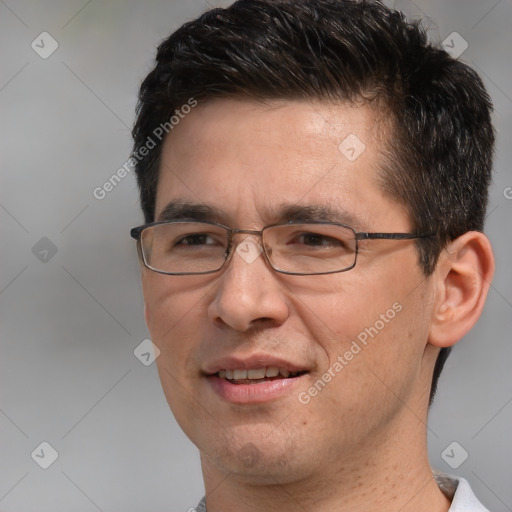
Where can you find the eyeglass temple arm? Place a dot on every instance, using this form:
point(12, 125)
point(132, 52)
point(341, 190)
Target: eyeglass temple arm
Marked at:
point(389, 236)
point(135, 232)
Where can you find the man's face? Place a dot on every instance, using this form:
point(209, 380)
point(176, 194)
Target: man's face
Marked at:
point(358, 337)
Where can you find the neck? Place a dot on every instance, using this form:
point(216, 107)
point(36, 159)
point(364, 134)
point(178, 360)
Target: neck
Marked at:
point(391, 472)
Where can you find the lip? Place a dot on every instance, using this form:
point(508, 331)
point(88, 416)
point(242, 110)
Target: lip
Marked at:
point(251, 363)
point(257, 392)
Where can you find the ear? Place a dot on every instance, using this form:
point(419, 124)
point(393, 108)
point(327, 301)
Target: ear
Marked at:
point(463, 276)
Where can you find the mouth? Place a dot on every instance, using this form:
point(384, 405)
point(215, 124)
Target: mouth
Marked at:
point(254, 380)
point(257, 375)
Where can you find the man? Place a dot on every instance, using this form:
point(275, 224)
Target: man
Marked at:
point(314, 179)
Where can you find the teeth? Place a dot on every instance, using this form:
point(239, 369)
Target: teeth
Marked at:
point(239, 374)
point(256, 373)
point(272, 371)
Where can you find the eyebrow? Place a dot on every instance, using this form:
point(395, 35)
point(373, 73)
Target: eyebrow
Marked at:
point(183, 210)
point(317, 213)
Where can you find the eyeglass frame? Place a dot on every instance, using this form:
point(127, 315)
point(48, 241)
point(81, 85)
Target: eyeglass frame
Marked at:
point(136, 233)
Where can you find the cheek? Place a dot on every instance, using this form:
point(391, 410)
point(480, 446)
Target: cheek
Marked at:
point(172, 316)
point(168, 302)
point(379, 324)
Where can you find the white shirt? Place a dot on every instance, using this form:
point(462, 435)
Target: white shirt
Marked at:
point(459, 492)
point(455, 489)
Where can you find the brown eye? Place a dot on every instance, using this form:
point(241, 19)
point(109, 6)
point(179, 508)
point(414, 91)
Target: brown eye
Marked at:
point(319, 240)
point(196, 239)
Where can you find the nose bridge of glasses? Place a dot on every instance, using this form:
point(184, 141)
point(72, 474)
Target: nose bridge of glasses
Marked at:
point(258, 234)
point(254, 232)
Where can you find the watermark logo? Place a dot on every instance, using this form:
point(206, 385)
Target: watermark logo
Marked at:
point(44, 45)
point(352, 147)
point(455, 45)
point(44, 455)
point(249, 455)
point(44, 250)
point(249, 250)
point(146, 352)
point(454, 455)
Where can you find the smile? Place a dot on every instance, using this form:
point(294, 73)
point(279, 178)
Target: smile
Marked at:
point(254, 380)
point(245, 376)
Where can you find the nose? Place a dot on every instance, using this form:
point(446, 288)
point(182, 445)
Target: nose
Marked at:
point(249, 292)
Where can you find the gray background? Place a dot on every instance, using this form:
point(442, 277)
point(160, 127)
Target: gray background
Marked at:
point(69, 325)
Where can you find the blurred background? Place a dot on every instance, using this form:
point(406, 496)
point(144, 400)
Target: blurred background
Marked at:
point(74, 397)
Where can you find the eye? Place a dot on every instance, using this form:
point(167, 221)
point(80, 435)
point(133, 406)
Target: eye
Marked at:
point(317, 240)
point(196, 239)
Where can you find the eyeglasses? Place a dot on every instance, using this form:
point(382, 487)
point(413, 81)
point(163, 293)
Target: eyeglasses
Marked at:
point(187, 248)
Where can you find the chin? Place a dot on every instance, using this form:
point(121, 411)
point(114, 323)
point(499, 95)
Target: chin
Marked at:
point(258, 458)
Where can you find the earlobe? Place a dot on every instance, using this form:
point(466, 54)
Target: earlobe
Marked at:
point(464, 274)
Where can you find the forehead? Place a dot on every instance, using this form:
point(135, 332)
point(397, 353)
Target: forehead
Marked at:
point(246, 158)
